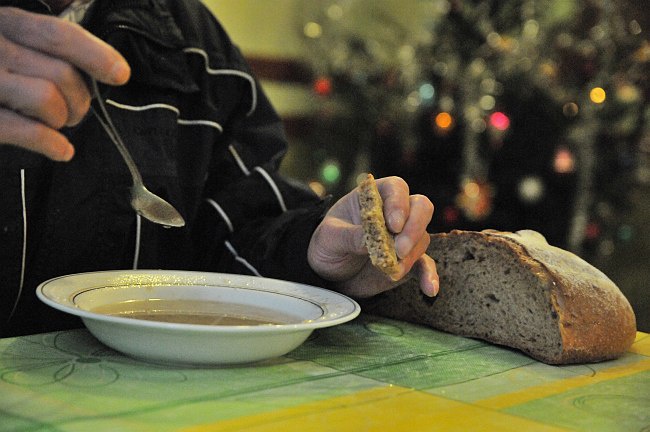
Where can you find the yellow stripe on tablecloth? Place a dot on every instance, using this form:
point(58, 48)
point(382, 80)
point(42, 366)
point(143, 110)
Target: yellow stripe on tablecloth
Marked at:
point(641, 344)
point(557, 387)
point(380, 409)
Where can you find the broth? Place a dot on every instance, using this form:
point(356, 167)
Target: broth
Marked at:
point(196, 312)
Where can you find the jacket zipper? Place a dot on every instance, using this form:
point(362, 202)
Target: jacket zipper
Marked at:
point(24, 251)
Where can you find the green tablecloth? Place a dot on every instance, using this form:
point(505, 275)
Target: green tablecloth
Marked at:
point(369, 374)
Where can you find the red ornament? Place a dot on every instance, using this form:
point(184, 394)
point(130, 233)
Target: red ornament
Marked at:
point(592, 231)
point(323, 86)
point(450, 215)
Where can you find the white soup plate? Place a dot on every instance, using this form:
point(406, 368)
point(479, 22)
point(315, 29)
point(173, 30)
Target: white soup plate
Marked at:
point(307, 308)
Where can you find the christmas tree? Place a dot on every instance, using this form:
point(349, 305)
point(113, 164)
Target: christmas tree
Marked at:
point(507, 115)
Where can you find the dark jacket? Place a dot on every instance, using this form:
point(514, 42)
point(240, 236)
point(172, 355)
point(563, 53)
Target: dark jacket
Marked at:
point(204, 137)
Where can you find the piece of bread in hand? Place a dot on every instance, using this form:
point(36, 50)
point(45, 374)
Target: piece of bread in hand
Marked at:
point(378, 240)
point(515, 289)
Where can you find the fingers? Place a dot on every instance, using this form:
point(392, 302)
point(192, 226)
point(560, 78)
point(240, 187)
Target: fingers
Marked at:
point(395, 194)
point(420, 211)
point(427, 274)
point(31, 74)
point(418, 250)
point(34, 136)
point(408, 216)
point(66, 41)
point(42, 60)
point(34, 98)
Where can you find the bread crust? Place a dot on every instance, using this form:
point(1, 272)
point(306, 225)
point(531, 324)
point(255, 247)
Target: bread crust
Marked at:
point(596, 321)
point(378, 240)
point(588, 317)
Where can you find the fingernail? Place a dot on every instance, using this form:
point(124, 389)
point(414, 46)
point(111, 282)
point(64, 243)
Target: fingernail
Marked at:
point(396, 221)
point(431, 289)
point(403, 246)
point(436, 287)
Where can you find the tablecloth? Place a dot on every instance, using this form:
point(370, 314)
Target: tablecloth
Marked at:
point(369, 374)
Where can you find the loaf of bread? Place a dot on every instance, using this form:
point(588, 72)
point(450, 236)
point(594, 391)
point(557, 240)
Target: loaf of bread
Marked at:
point(515, 289)
point(378, 240)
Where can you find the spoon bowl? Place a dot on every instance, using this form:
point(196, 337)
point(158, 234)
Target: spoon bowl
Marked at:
point(154, 208)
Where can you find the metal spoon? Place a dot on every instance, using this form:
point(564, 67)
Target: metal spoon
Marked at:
point(145, 203)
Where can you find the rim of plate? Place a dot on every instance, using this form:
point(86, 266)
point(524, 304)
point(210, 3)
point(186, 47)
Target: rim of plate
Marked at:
point(348, 309)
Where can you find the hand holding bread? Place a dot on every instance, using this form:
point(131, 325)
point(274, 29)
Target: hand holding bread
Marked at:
point(338, 253)
point(377, 238)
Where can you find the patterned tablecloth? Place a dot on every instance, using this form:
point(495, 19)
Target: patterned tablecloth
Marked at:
point(369, 374)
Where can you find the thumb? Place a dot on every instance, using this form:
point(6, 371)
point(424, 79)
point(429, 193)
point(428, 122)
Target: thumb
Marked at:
point(344, 237)
point(356, 244)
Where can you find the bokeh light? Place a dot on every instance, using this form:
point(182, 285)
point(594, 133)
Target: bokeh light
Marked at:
point(323, 86)
point(443, 120)
point(597, 95)
point(331, 172)
point(499, 121)
point(313, 30)
point(564, 162)
point(531, 189)
point(427, 91)
point(570, 109)
point(471, 189)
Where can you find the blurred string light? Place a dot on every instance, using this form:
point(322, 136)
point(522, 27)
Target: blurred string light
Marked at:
point(499, 121)
point(563, 162)
point(427, 92)
point(625, 232)
point(635, 27)
point(571, 66)
point(413, 101)
point(597, 95)
point(487, 102)
point(450, 215)
point(331, 171)
point(313, 30)
point(531, 189)
point(323, 86)
point(443, 121)
point(471, 189)
point(628, 94)
point(570, 109)
point(335, 12)
point(478, 125)
point(592, 230)
point(475, 199)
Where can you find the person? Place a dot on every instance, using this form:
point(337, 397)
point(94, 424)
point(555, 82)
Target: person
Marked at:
point(205, 138)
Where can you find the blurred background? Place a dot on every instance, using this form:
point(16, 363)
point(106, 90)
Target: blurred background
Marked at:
point(513, 114)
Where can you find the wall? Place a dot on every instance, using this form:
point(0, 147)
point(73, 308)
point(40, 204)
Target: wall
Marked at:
point(268, 34)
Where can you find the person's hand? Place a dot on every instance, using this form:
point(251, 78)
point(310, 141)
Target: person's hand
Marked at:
point(41, 84)
point(337, 252)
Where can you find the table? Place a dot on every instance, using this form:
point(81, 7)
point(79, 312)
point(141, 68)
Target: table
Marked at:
point(370, 374)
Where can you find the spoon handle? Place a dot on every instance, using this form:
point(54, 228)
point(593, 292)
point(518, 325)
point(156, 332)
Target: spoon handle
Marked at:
point(110, 129)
